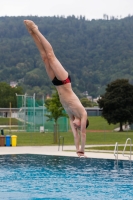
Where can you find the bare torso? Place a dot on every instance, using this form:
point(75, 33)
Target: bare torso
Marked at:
point(70, 101)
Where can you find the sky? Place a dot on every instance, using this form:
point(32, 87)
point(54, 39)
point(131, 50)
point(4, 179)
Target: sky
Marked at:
point(91, 9)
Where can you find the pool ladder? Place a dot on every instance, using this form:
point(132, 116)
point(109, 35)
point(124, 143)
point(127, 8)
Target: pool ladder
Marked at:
point(123, 153)
point(128, 139)
point(116, 151)
point(61, 137)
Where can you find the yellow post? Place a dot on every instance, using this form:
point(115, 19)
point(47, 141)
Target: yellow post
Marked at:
point(10, 117)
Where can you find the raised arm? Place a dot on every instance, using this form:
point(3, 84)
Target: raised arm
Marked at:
point(76, 135)
point(83, 132)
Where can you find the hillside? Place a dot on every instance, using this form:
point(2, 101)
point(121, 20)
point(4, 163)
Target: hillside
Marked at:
point(94, 52)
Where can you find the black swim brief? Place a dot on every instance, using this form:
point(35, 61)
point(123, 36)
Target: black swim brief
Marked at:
point(57, 82)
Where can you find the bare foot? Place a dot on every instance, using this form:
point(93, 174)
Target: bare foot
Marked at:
point(30, 25)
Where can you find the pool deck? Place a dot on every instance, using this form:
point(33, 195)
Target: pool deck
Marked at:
point(54, 150)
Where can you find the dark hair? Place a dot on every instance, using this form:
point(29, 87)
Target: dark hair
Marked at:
point(87, 123)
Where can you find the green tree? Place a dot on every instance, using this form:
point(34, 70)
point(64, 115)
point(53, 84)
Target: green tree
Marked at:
point(55, 110)
point(94, 52)
point(117, 102)
point(85, 102)
point(8, 94)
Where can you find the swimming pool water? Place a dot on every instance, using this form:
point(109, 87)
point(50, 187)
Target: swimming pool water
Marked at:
point(32, 177)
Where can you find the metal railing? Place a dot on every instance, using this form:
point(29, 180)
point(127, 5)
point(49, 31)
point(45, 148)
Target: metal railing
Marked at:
point(130, 148)
point(61, 138)
point(116, 151)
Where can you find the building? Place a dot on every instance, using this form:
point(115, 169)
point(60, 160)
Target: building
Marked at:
point(13, 84)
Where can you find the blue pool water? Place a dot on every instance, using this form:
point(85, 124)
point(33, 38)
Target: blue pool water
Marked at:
point(32, 177)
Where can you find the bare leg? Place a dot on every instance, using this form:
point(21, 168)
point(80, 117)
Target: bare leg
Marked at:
point(54, 63)
point(49, 70)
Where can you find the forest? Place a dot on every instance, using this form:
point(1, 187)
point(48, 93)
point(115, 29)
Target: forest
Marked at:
point(94, 52)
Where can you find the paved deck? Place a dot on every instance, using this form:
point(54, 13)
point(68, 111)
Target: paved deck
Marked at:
point(53, 150)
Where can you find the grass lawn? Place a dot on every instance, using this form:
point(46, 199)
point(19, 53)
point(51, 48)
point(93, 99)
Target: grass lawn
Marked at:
point(26, 138)
point(99, 123)
point(6, 121)
point(107, 135)
point(110, 148)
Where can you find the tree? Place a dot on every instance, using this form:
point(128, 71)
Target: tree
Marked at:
point(85, 102)
point(117, 102)
point(55, 110)
point(86, 48)
point(8, 94)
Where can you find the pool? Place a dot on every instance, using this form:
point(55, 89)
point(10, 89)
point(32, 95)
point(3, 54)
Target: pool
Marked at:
point(32, 177)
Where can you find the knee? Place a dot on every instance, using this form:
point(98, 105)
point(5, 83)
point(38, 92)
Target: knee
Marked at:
point(50, 56)
point(84, 135)
point(44, 57)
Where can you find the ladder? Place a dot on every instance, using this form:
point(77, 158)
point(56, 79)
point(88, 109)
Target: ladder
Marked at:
point(61, 137)
point(116, 151)
point(128, 139)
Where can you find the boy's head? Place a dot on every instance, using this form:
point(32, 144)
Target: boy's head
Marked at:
point(77, 123)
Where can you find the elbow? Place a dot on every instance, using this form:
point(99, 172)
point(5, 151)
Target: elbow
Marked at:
point(83, 134)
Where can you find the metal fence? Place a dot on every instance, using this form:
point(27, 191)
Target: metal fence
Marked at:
point(32, 116)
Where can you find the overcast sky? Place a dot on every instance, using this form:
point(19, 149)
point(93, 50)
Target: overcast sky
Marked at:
point(91, 9)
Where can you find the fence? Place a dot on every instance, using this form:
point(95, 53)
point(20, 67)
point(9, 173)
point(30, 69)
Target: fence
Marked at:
point(31, 115)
